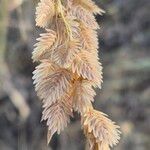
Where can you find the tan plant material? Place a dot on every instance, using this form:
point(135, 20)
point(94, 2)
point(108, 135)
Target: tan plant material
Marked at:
point(69, 69)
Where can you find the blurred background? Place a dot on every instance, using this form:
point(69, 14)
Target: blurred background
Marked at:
point(125, 96)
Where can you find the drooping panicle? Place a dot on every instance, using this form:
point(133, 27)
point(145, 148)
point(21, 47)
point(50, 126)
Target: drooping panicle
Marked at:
point(70, 69)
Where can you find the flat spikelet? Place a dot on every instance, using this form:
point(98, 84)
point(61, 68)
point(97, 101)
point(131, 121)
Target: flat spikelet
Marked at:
point(86, 66)
point(85, 17)
point(90, 6)
point(88, 38)
point(45, 12)
point(69, 69)
point(104, 131)
point(83, 96)
point(66, 53)
point(57, 115)
point(44, 45)
point(53, 85)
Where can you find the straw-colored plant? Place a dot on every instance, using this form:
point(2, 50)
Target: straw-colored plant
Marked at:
point(69, 69)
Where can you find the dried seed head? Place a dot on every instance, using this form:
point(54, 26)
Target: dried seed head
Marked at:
point(69, 69)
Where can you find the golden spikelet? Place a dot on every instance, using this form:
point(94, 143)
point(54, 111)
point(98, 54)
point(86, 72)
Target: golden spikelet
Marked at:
point(45, 11)
point(88, 67)
point(83, 96)
point(57, 115)
point(69, 69)
point(90, 6)
point(102, 130)
point(84, 16)
point(44, 45)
